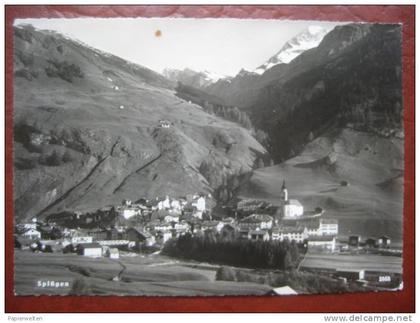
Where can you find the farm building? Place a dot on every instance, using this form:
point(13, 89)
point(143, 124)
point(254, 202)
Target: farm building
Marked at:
point(138, 235)
point(384, 242)
point(164, 124)
point(322, 242)
point(354, 241)
point(90, 249)
point(371, 243)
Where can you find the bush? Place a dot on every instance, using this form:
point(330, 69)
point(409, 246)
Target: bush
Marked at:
point(54, 159)
point(63, 70)
point(66, 158)
point(51, 160)
point(25, 73)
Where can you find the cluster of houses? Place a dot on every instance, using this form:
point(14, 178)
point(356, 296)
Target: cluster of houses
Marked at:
point(192, 204)
point(150, 223)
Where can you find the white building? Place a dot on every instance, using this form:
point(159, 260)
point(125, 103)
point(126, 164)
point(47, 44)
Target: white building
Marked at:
point(165, 204)
point(32, 234)
point(291, 208)
point(256, 221)
point(90, 249)
point(200, 204)
point(164, 123)
point(322, 242)
point(297, 234)
point(182, 227)
point(86, 239)
point(285, 290)
point(328, 227)
point(171, 218)
point(28, 226)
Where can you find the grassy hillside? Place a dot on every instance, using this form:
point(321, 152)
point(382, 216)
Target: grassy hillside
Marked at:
point(356, 177)
point(86, 130)
point(151, 276)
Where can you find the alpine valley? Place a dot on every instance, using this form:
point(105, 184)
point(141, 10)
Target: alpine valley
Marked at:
point(324, 112)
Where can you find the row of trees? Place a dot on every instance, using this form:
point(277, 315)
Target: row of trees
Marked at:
point(215, 248)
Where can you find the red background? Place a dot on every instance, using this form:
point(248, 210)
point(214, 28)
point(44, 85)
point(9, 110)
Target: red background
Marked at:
point(402, 301)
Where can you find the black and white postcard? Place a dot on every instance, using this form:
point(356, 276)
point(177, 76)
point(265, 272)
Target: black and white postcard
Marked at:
point(207, 157)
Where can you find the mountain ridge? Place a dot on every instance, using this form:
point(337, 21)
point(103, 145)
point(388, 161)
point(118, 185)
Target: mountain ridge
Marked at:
point(87, 132)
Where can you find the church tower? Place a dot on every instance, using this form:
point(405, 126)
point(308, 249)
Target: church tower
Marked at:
point(284, 199)
point(284, 193)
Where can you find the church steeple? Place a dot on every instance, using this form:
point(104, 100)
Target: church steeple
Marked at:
point(284, 193)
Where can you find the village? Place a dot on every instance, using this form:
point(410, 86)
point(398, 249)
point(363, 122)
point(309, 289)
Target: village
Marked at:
point(146, 225)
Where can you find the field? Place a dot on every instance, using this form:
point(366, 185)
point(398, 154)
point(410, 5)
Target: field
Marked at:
point(354, 262)
point(142, 275)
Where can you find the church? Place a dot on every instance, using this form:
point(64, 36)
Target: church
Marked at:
point(290, 208)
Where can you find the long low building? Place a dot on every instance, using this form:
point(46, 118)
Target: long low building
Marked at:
point(322, 242)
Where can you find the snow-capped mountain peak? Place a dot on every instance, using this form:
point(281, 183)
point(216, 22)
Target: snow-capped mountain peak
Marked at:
point(308, 39)
point(211, 76)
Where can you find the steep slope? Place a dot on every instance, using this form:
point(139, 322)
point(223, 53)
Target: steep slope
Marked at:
point(334, 119)
point(87, 131)
point(354, 76)
point(356, 177)
point(307, 39)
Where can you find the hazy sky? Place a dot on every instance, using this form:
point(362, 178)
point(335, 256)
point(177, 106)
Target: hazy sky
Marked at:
point(222, 46)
